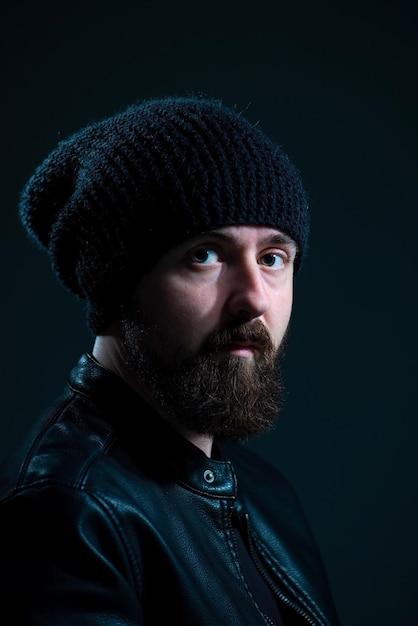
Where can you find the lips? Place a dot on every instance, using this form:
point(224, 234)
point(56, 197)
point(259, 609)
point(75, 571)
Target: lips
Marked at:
point(241, 348)
point(245, 345)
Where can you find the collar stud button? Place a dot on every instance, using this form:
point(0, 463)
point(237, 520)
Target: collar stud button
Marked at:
point(209, 476)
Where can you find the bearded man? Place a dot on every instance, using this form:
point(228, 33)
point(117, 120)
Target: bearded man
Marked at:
point(135, 500)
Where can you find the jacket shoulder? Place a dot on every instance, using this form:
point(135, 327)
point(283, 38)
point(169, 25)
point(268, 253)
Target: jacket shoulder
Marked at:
point(59, 447)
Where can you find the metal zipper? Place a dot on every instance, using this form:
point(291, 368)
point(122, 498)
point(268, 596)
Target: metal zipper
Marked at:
point(267, 619)
point(268, 580)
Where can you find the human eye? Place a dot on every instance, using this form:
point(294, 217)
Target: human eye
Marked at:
point(275, 260)
point(204, 256)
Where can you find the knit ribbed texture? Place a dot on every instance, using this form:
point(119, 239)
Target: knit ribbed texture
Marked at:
point(114, 197)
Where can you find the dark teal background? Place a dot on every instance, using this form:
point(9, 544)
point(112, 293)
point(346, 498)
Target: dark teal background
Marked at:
point(336, 84)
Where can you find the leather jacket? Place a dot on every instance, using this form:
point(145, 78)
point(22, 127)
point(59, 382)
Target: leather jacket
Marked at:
point(109, 517)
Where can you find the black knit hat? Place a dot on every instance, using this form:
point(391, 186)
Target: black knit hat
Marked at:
point(115, 196)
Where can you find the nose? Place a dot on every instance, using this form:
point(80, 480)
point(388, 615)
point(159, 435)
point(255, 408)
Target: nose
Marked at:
point(249, 297)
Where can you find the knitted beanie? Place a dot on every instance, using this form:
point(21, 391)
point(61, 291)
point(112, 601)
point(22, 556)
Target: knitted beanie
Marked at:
point(115, 196)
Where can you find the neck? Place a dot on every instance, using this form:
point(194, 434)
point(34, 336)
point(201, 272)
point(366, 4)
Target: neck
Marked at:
point(108, 350)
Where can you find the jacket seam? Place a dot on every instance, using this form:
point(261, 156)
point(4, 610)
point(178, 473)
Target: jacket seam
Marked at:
point(226, 514)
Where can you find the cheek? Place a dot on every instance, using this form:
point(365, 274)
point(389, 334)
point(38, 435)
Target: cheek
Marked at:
point(279, 317)
point(179, 317)
point(192, 317)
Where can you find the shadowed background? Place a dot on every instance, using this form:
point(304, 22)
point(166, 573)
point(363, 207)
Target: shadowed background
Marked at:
point(335, 83)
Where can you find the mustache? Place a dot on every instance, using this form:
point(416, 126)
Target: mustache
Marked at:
point(254, 333)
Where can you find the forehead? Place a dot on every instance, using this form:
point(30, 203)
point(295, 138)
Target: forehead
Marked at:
point(244, 235)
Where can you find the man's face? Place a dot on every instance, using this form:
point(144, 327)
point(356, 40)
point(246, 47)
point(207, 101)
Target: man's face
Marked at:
point(204, 329)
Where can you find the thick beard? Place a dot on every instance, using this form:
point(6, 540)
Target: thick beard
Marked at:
point(212, 393)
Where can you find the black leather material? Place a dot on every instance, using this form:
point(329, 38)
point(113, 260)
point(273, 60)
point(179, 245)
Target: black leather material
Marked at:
point(109, 517)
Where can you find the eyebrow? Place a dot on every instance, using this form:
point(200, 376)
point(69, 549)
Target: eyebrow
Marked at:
point(276, 238)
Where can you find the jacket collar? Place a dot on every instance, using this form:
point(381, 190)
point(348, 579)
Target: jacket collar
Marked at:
point(144, 432)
